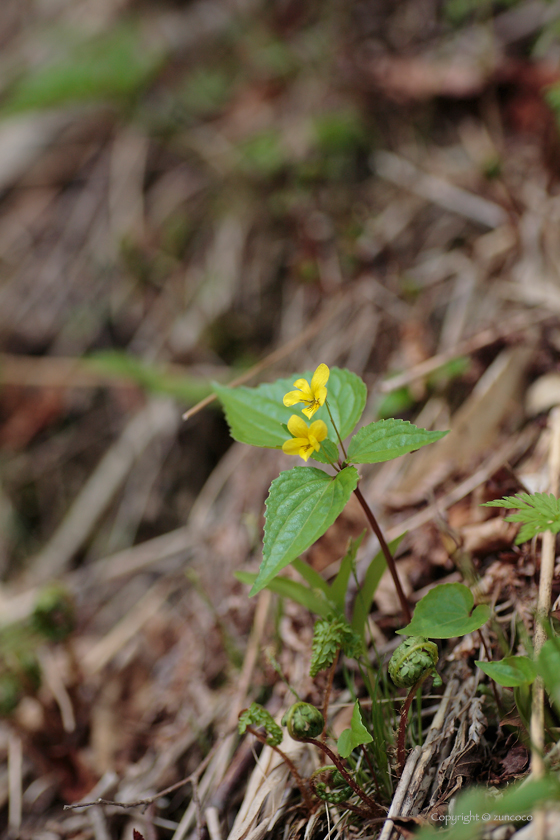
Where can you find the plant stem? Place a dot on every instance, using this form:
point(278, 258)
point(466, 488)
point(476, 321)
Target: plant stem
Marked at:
point(347, 805)
point(492, 682)
point(335, 428)
point(401, 752)
point(304, 790)
point(391, 565)
point(372, 806)
point(327, 695)
point(371, 770)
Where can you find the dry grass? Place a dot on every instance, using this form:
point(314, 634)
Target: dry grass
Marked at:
point(374, 188)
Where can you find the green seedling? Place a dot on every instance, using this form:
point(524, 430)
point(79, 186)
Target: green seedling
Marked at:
point(304, 501)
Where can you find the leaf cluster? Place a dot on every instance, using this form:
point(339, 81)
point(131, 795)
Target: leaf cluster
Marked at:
point(257, 715)
point(329, 637)
point(303, 502)
point(537, 511)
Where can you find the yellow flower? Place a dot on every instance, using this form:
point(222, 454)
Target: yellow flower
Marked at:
point(313, 395)
point(306, 439)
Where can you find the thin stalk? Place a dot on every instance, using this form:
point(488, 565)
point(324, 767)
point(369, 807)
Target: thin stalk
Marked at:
point(401, 752)
point(327, 695)
point(336, 429)
point(304, 790)
point(391, 565)
point(492, 682)
point(371, 770)
point(372, 806)
point(347, 805)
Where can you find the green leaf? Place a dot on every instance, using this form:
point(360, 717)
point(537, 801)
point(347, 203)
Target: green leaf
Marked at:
point(339, 585)
point(366, 592)
point(329, 636)
point(301, 505)
point(312, 577)
point(511, 671)
point(538, 511)
point(113, 65)
point(548, 666)
point(292, 589)
point(256, 715)
point(476, 806)
point(355, 736)
point(327, 454)
point(256, 415)
point(387, 439)
point(445, 612)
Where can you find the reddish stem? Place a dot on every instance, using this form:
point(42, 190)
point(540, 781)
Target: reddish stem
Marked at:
point(309, 804)
point(401, 752)
point(372, 806)
point(391, 565)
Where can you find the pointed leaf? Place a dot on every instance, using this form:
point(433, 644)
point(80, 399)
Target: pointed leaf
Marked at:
point(355, 736)
point(301, 505)
point(511, 671)
point(445, 612)
point(292, 589)
point(387, 439)
point(256, 415)
point(311, 576)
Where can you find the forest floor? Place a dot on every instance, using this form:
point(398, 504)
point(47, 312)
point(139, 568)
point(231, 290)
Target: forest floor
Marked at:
point(194, 191)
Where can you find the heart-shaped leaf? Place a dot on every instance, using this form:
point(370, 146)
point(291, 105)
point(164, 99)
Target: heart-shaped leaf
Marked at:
point(445, 612)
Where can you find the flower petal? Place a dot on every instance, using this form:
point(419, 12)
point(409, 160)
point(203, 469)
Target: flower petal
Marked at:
point(320, 377)
point(318, 430)
point(305, 451)
point(314, 443)
point(303, 386)
point(321, 394)
point(311, 409)
point(293, 397)
point(293, 446)
point(298, 427)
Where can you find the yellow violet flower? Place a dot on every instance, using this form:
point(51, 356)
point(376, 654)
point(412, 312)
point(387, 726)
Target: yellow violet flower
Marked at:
point(306, 439)
point(313, 395)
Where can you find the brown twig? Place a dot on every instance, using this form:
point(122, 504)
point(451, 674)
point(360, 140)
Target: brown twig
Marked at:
point(387, 554)
point(150, 799)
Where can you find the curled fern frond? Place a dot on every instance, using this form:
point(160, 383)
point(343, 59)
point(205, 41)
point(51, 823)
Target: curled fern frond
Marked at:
point(329, 636)
point(303, 721)
point(329, 784)
point(257, 715)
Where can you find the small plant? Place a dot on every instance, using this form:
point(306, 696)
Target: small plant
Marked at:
point(304, 501)
point(537, 513)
